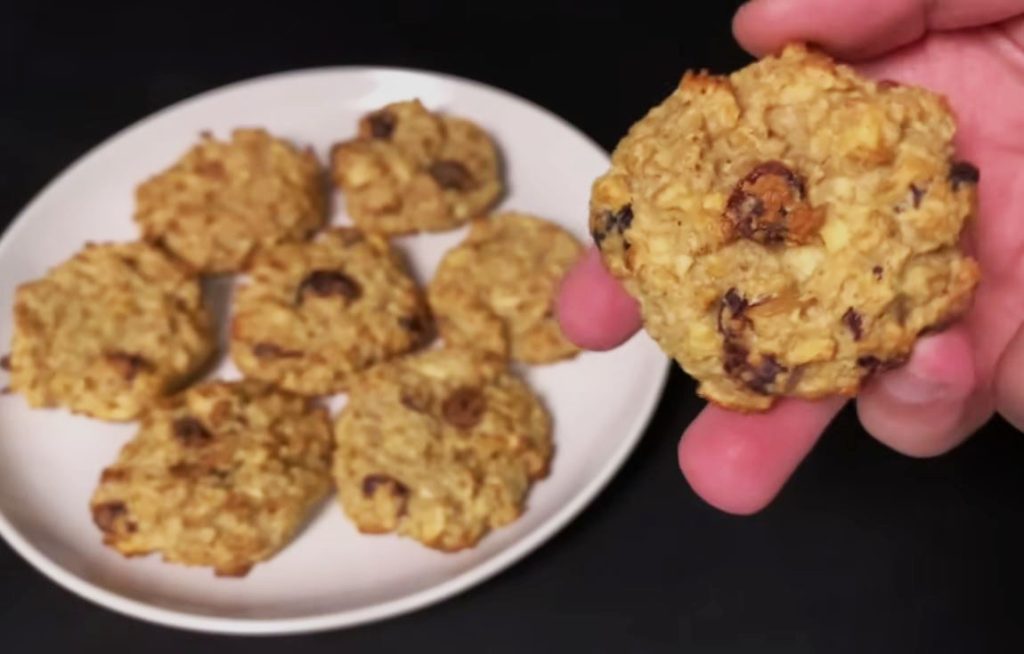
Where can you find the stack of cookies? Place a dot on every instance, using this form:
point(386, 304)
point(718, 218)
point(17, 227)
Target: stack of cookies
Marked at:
point(439, 440)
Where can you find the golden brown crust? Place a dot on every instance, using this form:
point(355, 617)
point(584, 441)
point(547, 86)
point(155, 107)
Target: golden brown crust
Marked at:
point(496, 290)
point(223, 475)
point(411, 170)
point(314, 314)
point(223, 201)
point(108, 331)
point(441, 446)
point(789, 229)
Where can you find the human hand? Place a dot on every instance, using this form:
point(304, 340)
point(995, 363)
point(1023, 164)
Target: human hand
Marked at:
point(972, 51)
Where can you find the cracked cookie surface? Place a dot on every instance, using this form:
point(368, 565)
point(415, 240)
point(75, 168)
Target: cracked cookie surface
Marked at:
point(108, 331)
point(412, 170)
point(223, 201)
point(440, 446)
point(223, 475)
point(789, 229)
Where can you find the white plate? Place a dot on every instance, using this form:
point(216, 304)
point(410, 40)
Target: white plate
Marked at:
point(331, 576)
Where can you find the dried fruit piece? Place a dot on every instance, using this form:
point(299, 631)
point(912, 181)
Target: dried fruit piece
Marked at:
point(451, 175)
point(854, 322)
point(372, 482)
point(768, 206)
point(128, 365)
point(464, 407)
point(618, 221)
point(382, 124)
point(328, 283)
point(963, 172)
point(190, 432)
point(106, 515)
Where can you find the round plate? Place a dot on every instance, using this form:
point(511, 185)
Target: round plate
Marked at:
point(330, 576)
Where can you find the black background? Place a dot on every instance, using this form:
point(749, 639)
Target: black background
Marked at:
point(864, 551)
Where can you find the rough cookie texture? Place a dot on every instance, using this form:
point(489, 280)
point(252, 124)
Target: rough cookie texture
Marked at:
point(223, 201)
point(410, 170)
point(496, 290)
point(789, 229)
point(223, 475)
point(440, 446)
point(313, 314)
point(108, 330)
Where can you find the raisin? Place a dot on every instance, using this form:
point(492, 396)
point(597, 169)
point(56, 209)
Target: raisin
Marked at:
point(382, 124)
point(758, 376)
point(414, 325)
point(328, 283)
point(106, 515)
point(769, 206)
point(451, 175)
point(854, 322)
point(372, 482)
point(190, 432)
point(128, 365)
point(464, 407)
point(916, 195)
point(617, 221)
point(736, 305)
point(5, 362)
point(963, 172)
point(877, 272)
point(272, 351)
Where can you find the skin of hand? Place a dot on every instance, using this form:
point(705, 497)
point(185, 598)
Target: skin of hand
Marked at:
point(971, 51)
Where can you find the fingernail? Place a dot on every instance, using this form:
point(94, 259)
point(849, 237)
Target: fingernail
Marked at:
point(908, 387)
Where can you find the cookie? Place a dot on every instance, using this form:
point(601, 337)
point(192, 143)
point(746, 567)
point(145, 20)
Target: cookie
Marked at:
point(441, 446)
point(496, 290)
point(108, 331)
point(789, 229)
point(411, 170)
point(222, 476)
point(223, 201)
point(313, 314)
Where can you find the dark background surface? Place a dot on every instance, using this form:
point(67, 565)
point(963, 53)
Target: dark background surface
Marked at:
point(864, 551)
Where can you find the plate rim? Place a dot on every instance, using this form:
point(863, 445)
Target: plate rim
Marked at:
point(474, 576)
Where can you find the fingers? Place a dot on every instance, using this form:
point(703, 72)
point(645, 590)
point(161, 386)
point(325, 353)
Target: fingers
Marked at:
point(859, 29)
point(739, 462)
point(928, 406)
point(1010, 381)
point(593, 309)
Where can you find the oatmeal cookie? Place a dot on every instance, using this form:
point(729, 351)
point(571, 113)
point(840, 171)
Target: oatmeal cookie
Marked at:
point(791, 228)
point(441, 446)
point(411, 170)
point(313, 314)
point(496, 290)
point(109, 330)
point(225, 200)
point(223, 475)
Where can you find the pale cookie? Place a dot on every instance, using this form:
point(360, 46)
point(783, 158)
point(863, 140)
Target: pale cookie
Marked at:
point(225, 200)
point(496, 290)
point(313, 314)
point(789, 229)
point(410, 170)
point(440, 446)
point(108, 331)
point(223, 475)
